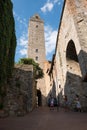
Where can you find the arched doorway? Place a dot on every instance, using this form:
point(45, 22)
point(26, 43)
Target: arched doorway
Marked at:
point(39, 97)
point(72, 59)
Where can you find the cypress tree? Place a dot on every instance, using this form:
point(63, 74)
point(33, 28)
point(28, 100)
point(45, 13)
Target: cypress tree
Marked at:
point(7, 41)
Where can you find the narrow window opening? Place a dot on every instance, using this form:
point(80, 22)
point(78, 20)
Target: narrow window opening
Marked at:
point(36, 50)
point(36, 58)
point(36, 26)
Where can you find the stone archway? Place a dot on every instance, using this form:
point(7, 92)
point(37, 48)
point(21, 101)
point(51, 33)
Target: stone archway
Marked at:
point(39, 97)
point(72, 59)
point(73, 83)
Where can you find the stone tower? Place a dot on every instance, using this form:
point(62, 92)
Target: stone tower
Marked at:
point(36, 50)
point(36, 46)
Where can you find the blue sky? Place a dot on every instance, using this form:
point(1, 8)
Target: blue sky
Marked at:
point(49, 11)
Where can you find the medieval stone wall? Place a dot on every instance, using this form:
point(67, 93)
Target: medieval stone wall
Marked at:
point(78, 9)
point(71, 50)
point(47, 79)
point(21, 92)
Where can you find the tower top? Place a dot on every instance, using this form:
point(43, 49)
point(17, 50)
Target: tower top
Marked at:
point(37, 18)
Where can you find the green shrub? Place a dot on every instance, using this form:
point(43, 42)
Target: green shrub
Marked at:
point(38, 72)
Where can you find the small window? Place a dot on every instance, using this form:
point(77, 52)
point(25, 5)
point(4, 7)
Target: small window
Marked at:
point(36, 26)
point(37, 58)
point(37, 17)
point(36, 50)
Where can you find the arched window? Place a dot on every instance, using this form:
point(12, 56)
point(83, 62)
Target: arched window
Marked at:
point(36, 26)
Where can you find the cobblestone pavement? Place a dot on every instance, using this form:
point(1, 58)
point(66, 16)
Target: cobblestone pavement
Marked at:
point(45, 119)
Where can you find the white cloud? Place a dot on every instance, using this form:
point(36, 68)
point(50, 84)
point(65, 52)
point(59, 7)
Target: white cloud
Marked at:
point(22, 44)
point(19, 19)
point(48, 6)
point(50, 39)
point(23, 51)
point(56, 1)
point(23, 40)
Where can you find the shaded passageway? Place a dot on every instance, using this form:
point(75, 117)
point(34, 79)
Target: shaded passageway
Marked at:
point(44, 119)
point(39, 97)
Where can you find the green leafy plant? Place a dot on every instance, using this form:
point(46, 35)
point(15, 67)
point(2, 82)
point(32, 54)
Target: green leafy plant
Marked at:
point(38, 72)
